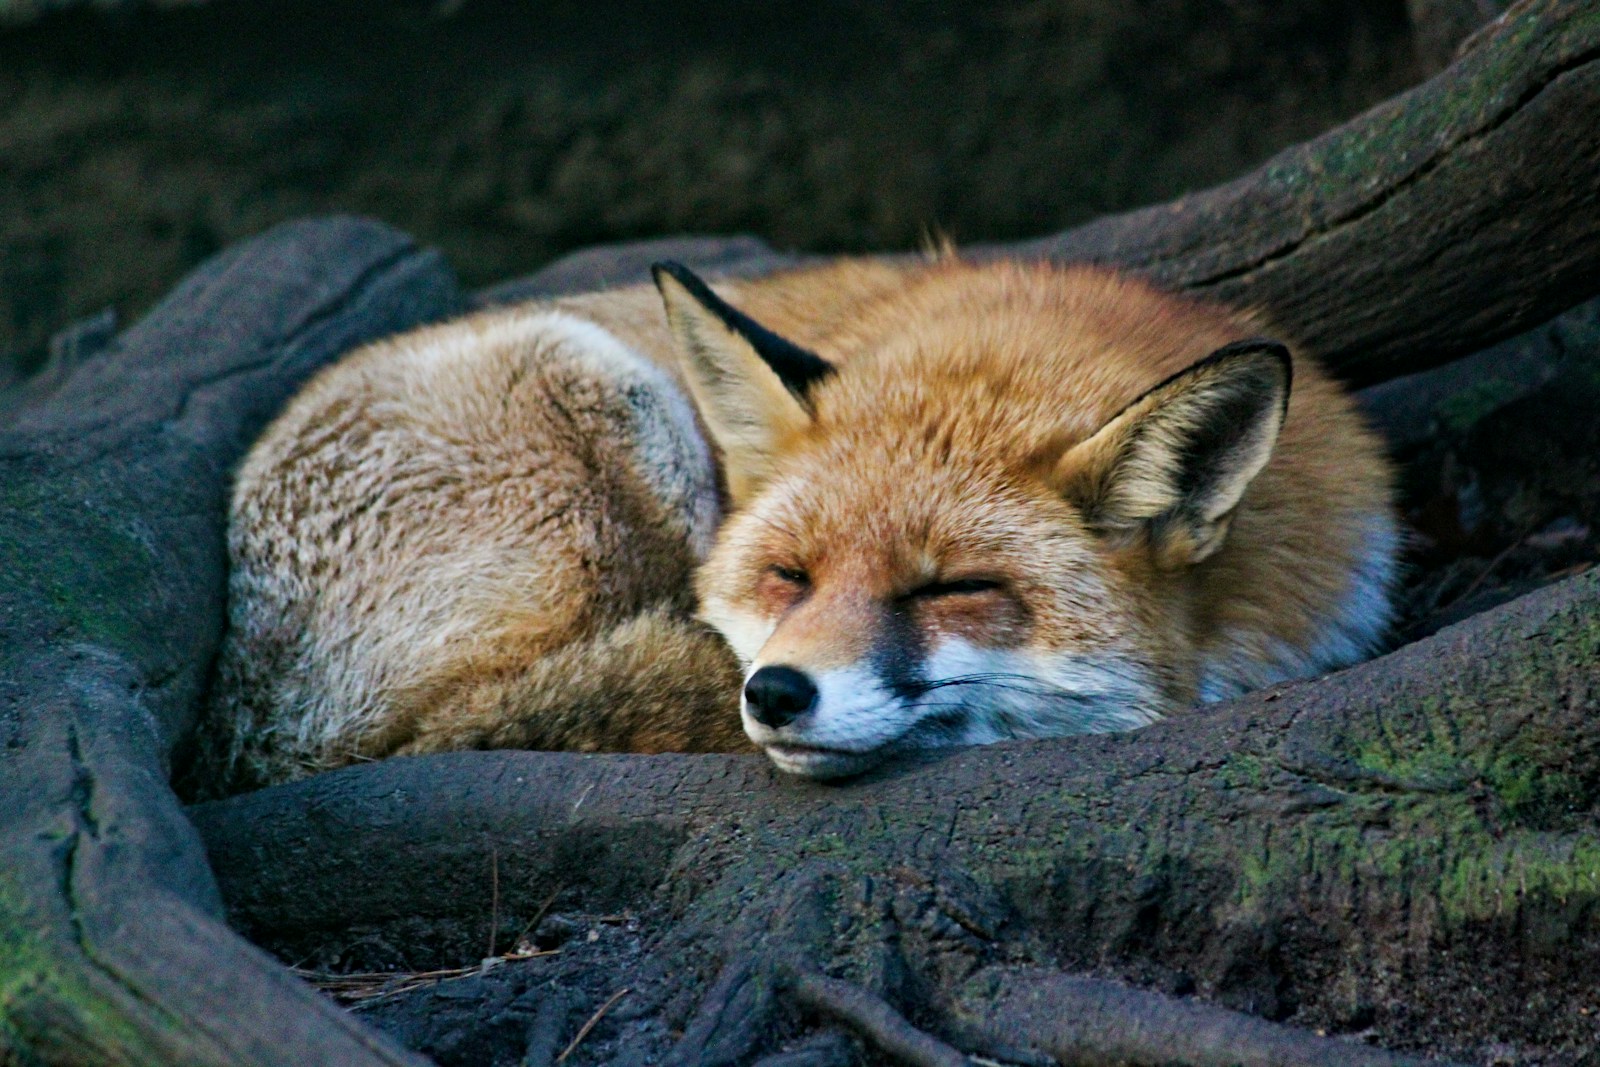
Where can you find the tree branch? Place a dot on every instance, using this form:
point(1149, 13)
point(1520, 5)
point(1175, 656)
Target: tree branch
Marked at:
point(1459, 213)
point(1452, 216)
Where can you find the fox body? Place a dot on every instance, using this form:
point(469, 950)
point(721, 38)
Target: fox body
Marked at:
point(841, 512)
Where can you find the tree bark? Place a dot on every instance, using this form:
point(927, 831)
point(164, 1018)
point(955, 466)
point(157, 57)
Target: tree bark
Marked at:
point(1412, 841)
point(112, 946)
point(1409, 844)
point(1448, 218)
point(1461, 212)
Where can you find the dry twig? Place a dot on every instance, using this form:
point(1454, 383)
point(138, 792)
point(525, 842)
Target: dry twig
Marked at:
point(360, 987)
point(594, 1020)
point(494, 897)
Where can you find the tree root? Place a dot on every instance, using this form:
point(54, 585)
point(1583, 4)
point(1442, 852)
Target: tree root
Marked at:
point(1010, 1016)
point(872, 1017)
point(545, 1032)
point(731, 1019)
point(1091, 1022)
point(828, 1049)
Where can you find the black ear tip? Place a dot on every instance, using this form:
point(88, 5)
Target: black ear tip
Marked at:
point(659, 268)
point(671, 268)
point(1264, 351)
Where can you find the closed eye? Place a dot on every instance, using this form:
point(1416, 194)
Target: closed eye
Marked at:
point(792, 575)
point(958, 587)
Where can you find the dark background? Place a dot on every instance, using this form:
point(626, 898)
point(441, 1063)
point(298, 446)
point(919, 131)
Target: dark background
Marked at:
point(132, 146)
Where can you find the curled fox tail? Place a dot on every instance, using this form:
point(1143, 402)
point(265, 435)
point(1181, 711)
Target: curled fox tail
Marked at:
point(657, 682)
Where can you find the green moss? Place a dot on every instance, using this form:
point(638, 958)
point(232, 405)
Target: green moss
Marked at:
point(35, 969)
point(1242, 771)
point(87, 577)
point(1421, 750)
point(1487, 879)
point(1350, 157)
point(1255, 879)
point(1439, 845)
point(1535, 797)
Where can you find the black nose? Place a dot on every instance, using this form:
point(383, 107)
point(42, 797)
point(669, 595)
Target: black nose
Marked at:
point(779, 695)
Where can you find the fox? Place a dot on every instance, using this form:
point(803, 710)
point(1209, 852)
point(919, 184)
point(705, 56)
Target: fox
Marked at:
point(837, 514)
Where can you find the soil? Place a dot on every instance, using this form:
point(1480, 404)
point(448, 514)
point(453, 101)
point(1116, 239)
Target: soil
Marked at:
point(133, 147)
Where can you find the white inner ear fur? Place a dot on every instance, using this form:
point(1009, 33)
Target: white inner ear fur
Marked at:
point(1151, 468)
point(746, 407)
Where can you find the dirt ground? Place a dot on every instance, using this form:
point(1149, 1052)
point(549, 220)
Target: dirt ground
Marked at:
point(133, 147)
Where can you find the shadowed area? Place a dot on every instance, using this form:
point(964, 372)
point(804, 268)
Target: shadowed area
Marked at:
point(132, 147)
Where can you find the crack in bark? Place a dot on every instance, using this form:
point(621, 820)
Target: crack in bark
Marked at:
point(1334, 771)
point(1388, 194)
point(348, 296)
point(87, 832)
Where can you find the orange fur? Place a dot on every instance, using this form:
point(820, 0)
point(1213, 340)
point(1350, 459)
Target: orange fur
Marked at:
point(483, 533)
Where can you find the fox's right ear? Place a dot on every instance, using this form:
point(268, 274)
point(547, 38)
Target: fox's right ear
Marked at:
point(1174, 464)
point(750, 384)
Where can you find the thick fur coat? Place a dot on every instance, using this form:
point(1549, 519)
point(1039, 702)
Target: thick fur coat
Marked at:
point(839, 512)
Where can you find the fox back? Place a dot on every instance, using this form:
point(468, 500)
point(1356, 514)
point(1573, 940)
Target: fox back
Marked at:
point(928, 504)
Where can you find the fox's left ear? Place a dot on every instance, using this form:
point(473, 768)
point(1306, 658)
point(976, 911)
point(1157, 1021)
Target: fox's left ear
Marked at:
point(1174, 464)
point(750, 385)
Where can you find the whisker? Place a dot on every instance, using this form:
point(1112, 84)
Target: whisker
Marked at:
point(1014, 683)
point(921, 704)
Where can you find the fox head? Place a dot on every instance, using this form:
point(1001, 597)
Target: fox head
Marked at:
point(934, 539)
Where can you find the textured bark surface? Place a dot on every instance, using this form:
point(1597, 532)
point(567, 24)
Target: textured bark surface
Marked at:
point(112, 486)
point(1453, 215)
point(1408, 846)
point(1406, 849)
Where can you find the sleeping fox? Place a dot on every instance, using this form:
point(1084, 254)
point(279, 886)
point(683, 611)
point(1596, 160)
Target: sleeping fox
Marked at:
point(841, 513)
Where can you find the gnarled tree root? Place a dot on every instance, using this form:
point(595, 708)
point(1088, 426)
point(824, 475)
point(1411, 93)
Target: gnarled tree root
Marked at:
point(1394, 846)
point(1091, 1022)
